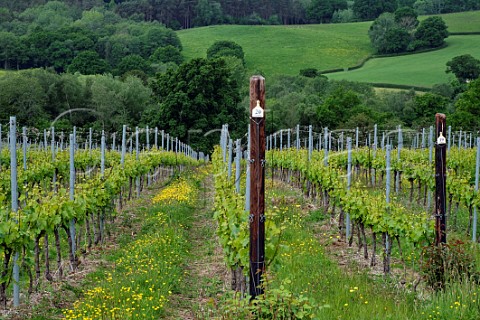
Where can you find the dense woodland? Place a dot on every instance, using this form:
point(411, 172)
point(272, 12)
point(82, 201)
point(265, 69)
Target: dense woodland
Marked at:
point(181, 14)
point(103, 64)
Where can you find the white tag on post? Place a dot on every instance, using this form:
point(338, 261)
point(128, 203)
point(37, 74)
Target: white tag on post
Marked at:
point(258, 112)
point(441, 139)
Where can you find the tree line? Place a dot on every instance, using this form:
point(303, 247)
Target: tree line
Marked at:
point(183, 14)
point(195, 99)
point(189, 101)
point(56, 35)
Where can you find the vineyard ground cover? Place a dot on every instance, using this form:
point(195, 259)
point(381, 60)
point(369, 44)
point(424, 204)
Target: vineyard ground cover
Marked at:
point(206, 276)
point(355, 289)
point(320, 265)
point(94, 264)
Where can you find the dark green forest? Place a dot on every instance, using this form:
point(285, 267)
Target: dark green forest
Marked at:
point(181, 14)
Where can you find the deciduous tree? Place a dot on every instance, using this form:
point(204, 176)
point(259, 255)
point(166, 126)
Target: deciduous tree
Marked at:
point(195, 99)
point(464, 67)
point(432, 32)
point(88, 62)
point(225, 48)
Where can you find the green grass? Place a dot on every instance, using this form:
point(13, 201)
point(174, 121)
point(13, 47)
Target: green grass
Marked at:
point(423, 69)
point(288, 49)
point(146, 270)
point(461, 21)
point(347, 291)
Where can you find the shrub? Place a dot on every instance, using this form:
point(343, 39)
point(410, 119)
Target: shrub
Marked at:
point(448, 263)
point(309, 72)
point(275, 303)
point(225, 48)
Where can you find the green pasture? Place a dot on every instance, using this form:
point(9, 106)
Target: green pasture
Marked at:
point(422, 69)
point(461, 21)
point(288, 49)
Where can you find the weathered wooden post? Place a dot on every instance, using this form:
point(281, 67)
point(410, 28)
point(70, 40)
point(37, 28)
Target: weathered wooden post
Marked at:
point(257, 194)
point(440, 179)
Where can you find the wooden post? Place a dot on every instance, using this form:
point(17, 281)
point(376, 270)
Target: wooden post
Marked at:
point(440, 179)
point(257, 194)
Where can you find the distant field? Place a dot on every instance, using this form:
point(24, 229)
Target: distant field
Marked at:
point(423, 69)
point(286, 49)
point(461, 21)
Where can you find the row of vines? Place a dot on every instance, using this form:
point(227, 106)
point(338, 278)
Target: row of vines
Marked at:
point(103, 181)
point(404, 219)
point(407, 217)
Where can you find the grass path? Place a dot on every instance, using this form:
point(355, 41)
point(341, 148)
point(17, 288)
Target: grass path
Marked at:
point(52, 297)
point(205, 273)
point(161, 261)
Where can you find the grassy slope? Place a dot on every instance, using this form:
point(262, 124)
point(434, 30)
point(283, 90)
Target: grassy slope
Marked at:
point(424, 69)
point(288, 49)
point(461, 21)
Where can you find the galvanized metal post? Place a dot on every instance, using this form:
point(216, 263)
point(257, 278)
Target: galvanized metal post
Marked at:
point(356, 138)
point(72, 193)
point(477, 168)
point(449, 137)
point(163, 139)
point(325, 147)
point(386, 267)
point(310, 142)
point(137, 157)
point(102, 155)
point(14, 200)
point(288, 138)
point(230, 154)
point(349, 182)
point(238, 157)
point(298, 136)
point(124, 145)
point(248, 178)
point(148, 137)
point(399, 151)
point(90, 134)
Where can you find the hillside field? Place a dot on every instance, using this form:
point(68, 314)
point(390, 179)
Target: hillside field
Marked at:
point(422, 69)
point(461, 21)
point(288, 49)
